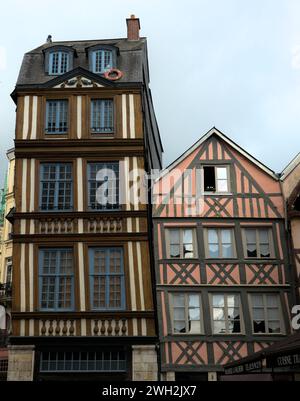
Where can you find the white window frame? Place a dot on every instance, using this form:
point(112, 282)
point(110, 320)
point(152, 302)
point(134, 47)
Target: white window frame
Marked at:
point(271, 242)
point(219, 229)
point(265, 308)
point(225, 295)
point(181, 243)
point(186, 312)
point(216, 167)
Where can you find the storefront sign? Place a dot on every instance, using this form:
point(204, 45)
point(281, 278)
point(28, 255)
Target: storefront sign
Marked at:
point(244, 368)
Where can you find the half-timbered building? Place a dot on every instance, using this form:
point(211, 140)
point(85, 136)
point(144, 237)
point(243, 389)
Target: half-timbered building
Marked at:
point(291, 189)
point(222, 272)
point(82, 283)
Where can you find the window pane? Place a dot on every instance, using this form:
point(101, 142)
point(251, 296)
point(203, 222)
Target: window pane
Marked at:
point(214, 251)
point(226, 236)
point(209, 179)
point(257, 300)
point(175, 251)
point(222, 185)
point(264, 236)
point(221, 173)
point(265, 251)
point(258, 314)
point(218, 314)
point(251, 236)
point(187, 236)
point(188, 251)
point(179, 314)
point(234, 313)
point(227, 251)
point(274, 327)
point(179, 326)
point(194, 301)
point(273, 314)
point(234, 326)
point(218, 300)
point(195, 326)
point(233, 301)
point(178, 300)
point(219, 327)
point(251, 251)
point(174, 237)
point(259, 327)
point(272, 300)
point(213, 236)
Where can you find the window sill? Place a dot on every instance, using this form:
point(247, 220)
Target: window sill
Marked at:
point(269, 334)
point(100, 135)
point(56, 136)
point(217, 193)
point(187, 334)
point(234, 259)
point(261, 259)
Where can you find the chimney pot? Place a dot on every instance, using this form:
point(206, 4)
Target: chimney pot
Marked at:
point(133, 28)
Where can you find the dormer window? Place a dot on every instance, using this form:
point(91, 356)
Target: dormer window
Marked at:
point(102, 60)
point(58, 63)
point(59, 59)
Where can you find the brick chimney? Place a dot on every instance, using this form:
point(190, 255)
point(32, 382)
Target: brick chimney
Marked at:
point(133, 28)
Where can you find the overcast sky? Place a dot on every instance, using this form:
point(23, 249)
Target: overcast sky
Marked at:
point(227, 63)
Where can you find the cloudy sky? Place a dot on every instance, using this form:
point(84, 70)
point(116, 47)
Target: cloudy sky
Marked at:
point(227, 63)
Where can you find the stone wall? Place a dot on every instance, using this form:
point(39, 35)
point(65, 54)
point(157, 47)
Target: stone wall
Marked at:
point(144, 363)
point(20, 363)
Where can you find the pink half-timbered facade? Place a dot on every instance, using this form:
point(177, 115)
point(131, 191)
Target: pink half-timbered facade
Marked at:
point(222, 273)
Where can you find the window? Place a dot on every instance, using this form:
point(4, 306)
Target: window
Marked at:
point(258, 243)
point(56, 187)
point(92, 361)
point(56, 117)
point(56, 278)
point(8, 270)
point(266, 313)
point(102, 60)
point(102, 116)
point(103, 186)
point(186, 313)
point(220, 243)
point(226, 312)
point(216, 179)
point(107, 278)
point(181, 243)
point(58, 63)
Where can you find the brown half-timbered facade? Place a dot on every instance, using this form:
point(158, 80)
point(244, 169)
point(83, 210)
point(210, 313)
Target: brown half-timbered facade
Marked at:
point(83, 299)
point(222, 272)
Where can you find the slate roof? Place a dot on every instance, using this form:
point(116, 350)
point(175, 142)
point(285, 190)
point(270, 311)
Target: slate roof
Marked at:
point(131, 59)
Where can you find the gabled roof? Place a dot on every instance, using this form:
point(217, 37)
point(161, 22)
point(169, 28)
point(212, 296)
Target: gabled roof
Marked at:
point(290, 167)
point(216, 132)
point(79, 71)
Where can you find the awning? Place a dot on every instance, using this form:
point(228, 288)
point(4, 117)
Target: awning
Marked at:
point(282, 354)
